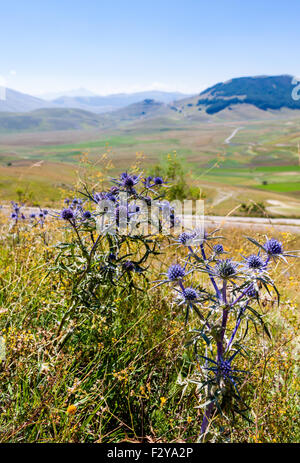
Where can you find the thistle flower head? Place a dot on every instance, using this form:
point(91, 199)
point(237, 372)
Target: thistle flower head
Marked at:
point(224, 368)
point(147, 181)
point(184, 238)
point(218, 249)
point(158, 181)
point(273, 247)
point(77, 201)
point(254, 262)
point(67, 214)
point(175, 272)
point(189, 294)
point(87, 215)
point(226, 269)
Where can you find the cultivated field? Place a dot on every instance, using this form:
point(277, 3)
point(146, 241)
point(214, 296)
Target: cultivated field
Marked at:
point(260, 161)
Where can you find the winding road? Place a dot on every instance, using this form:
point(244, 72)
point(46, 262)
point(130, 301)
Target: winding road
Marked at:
point(228, 139)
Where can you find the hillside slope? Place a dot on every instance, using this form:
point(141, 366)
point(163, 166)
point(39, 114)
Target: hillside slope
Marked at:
point(263, 93)
point(20, 102)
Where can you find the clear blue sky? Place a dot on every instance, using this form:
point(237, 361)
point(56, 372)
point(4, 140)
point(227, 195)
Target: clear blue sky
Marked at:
point(113, 45)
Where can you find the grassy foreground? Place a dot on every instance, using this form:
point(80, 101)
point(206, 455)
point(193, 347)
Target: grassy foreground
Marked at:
point(122, 374)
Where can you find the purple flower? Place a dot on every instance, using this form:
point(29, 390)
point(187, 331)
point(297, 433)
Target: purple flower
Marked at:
point(190, 294)
point(218, 249)
point(175, 272)
point(184, 237)
point(254, 262)
point(158, 181)
point(147, 181)
point(273, 247)
point(226, 269)
point(67, 214)
point(87, 215)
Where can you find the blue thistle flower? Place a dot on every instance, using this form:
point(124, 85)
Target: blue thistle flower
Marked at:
point(184, 238)
point(158, 181)
point(225, 269)
point(273, 247)
point(190, 294)
point(255, 262)
point(147, 181)
point(67, 214)
point(218, 249)
point(87, 215)
point(175, 272)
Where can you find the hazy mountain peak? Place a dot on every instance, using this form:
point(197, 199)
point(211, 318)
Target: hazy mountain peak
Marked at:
point(69, 93)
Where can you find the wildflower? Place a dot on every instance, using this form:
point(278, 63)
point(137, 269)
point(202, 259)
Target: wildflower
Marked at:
point(162, 401)
point(67, 214)
point(147, 181)
point(273, 247)
point(71, 410)
point(189, 294)
point(158, 181)
point(223, 370)
point(77, 201)
point(185, 238)
point(254, 262)
point(127, 181)
point(225, 269)
point(87, 215)
point(218, 249)
point(175, 272)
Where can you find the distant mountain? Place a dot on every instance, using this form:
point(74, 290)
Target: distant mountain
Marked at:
point(20, 102)
point(240, 99)
point(68, 93)
point(265, 93)
point(101, 104)
point(52, 119)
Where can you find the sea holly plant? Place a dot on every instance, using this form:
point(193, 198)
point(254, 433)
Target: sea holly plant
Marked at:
point(224, 313)
point(111, 241)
